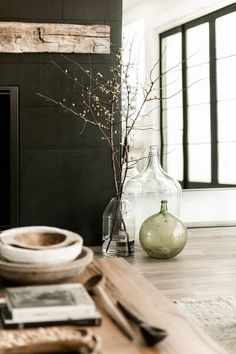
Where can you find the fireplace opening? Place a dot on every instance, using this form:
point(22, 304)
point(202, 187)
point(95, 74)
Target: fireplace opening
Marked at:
point(9, 160)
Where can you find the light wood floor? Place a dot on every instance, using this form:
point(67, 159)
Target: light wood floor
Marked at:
point(206, 267)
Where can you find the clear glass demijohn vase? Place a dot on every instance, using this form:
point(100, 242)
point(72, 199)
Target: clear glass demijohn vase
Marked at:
point(146, 190)
point(118, 228)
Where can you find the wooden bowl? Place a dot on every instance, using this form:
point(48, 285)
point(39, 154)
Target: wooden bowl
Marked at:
point(38, 237)
point(29, 274)
point(36, 240)
point(12, 252)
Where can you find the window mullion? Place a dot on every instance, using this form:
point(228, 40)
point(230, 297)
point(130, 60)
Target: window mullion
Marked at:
point(185, 110)
point(161, 103)
point(213, 102)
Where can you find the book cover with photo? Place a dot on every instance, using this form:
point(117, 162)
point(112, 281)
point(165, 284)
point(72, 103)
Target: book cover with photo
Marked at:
point(61, 302)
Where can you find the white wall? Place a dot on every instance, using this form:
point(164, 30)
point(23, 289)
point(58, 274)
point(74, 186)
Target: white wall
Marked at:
point(166, 13)
point(209, 207)
point(161, 15)
point(199, 207)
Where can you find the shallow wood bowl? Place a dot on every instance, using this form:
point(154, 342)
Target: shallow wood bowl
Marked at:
point(38, 237)
point(29, 274)
point(67, 251)
point(36, 240)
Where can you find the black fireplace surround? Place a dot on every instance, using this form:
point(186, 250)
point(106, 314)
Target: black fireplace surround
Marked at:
point(9, 152)
point(64, 177)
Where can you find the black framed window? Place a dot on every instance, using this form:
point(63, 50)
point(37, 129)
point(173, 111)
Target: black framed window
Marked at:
point(198, 100)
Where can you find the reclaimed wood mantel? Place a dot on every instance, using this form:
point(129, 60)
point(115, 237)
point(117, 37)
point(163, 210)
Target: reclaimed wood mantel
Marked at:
point(22, 37)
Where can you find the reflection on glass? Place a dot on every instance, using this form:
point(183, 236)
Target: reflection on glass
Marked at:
point(225, 35)
point(199, 129)
point(198, 44)
point(227, 121)
point(226, 75)
point(174, 161)
point(199, 162)
point(198, 84)
point(173, 126)
point(226, 167)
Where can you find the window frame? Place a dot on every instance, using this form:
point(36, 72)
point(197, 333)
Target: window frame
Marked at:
point(210, 18)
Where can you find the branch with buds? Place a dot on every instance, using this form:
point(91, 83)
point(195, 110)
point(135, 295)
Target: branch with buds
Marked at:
point(102, 108)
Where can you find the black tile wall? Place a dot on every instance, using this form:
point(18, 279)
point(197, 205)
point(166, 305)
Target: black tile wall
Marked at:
point(51, 128)
point(65, 176)
point(30, 10)
point(7, 58)
point(88, 9)
point(57, 188)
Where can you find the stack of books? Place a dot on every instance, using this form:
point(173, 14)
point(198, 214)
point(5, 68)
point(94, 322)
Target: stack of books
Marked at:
point(28, 306)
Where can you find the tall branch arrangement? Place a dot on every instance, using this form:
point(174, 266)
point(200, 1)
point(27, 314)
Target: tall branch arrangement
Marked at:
point(101, 107)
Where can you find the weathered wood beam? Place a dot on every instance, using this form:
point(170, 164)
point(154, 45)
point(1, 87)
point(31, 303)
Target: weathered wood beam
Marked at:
point(22, 37)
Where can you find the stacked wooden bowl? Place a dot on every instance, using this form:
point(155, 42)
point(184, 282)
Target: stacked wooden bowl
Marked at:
point(41, 255)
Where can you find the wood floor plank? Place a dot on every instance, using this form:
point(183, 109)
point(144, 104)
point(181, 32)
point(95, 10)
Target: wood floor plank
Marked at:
point(206, 266)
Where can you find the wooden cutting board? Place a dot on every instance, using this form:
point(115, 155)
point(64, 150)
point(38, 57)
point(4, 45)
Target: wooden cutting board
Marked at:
point(123, 281)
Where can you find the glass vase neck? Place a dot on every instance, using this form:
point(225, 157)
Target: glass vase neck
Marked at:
point(154, 159)
point(164, 208)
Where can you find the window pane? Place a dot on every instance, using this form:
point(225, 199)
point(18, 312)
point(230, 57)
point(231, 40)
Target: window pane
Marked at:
point(227, 121)
point(173, 126)
point(226, 90)
point(171, 52)
point(227, 166)
point(198, 45)
point(199, 162)
point(202, 122)
point(172, 104)
point(198, 84)
point(173, 156)
point(172, 89)
point(199, 129)
point(171, 71)
point(225, 35)
point(226, 78)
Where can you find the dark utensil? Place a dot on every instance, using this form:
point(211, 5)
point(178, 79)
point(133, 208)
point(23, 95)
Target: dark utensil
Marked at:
point(96, 284)
point(151, 334)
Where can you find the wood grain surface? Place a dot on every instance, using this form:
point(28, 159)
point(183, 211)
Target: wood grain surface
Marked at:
point(19, 37)
point(124, 282)
point(206, 267)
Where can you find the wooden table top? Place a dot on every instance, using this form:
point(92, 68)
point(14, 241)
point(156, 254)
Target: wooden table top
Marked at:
point(123, 281)
point(206, 267)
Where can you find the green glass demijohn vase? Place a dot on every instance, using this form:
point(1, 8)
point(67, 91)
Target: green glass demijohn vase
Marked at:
point(163, 235)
